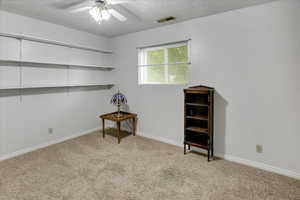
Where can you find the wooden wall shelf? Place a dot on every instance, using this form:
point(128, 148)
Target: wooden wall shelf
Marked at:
point(41, 64)
point(46, 41)
point(42, 86)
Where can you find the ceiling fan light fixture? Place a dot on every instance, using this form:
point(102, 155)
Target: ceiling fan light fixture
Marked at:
point(95, 13)
point(99, 13)
point(105, 14)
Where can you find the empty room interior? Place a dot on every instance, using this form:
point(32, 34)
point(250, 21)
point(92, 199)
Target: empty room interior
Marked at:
point(149, 99)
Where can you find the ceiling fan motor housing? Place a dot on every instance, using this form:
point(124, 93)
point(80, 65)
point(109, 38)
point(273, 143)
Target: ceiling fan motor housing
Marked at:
point(100, 1)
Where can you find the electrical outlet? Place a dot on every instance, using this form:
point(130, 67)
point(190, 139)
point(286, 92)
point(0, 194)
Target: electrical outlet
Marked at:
point(259, 148)
point(50, 131)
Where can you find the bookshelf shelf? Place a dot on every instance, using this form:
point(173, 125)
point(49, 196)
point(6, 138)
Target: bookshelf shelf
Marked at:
point(198, 117)
point(197, 104)
point(197, 129)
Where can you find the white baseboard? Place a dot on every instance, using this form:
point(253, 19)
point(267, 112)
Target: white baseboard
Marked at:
point(235, 159)
point(40, 146)
point(263, 166)
point(160, 139)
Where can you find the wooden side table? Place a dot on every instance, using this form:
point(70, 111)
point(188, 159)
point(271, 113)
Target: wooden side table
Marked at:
point(114, 117)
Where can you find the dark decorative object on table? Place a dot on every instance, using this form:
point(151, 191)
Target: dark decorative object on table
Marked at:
point(118, 99)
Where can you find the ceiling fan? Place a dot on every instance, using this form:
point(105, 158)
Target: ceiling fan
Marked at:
point(100, 10)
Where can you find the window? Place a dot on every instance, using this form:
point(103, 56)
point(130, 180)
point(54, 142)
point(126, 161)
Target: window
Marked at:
point(165, 64)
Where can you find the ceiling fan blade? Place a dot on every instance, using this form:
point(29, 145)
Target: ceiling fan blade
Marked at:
point(117, 15)
point(114, 2)
point(81, 9)
point(67, 4)
point(129, 14)
point(74, 5)
point(13, 1)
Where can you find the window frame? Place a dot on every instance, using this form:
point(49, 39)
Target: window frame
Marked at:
point(142, 59)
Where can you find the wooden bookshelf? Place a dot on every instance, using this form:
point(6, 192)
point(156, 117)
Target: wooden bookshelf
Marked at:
point(198, 118)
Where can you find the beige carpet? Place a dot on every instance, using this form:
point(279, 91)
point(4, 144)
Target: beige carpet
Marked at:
point(92, 168)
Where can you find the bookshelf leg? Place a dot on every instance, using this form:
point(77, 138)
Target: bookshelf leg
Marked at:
point(189, 147)
point(212, 147)
point(184, 149)
point(208, 155)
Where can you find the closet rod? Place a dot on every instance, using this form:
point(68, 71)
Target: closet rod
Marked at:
point(34, 39)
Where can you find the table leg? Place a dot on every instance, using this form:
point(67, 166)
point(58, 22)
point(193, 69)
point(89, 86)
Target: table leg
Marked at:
point(119, 132)
point(103, 128)
point(134, 125)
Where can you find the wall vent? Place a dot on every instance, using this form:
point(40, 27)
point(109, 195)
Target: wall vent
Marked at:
point(166, 19)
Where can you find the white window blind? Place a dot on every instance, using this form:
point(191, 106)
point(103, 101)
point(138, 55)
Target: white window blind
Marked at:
point(164, 64)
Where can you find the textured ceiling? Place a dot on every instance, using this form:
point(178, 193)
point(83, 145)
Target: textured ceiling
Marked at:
point(141, 14)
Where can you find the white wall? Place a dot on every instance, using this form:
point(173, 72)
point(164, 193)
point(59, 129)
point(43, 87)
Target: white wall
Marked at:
point(251, 56)
point(26, 115)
